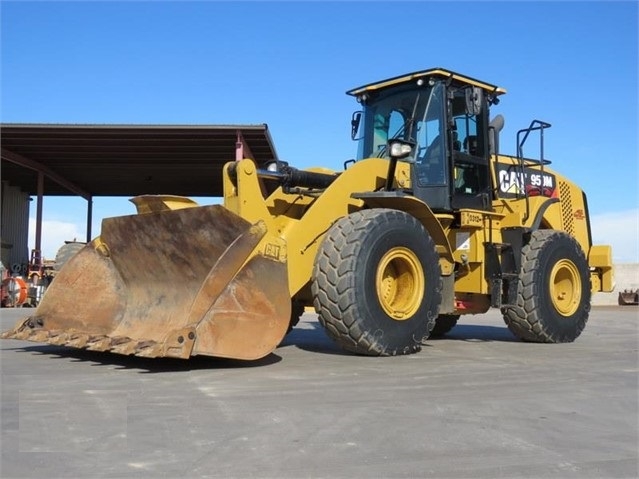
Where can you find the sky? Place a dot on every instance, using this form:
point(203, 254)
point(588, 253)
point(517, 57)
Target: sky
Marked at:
point(288, 64)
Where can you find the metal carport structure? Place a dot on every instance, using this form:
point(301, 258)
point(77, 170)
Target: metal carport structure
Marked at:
point(124, 159)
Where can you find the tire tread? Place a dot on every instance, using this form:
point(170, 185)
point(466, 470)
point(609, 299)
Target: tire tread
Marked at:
point(334, 288)
point(525, 319)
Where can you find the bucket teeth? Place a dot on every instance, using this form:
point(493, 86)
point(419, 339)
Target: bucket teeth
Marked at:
point(78, 340)
point(8, 335)
point(98, 343)
point(23, 334)
point(39, 335)
point(125, 347)
point(60, 339)
point(118, 344)
point(148, 349)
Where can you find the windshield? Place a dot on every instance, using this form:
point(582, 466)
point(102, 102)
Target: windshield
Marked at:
point(415, 115)
point(412, 115)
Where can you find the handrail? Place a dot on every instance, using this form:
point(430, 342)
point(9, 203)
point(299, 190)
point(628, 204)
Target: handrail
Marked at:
point(520, 144)
point(535, 125)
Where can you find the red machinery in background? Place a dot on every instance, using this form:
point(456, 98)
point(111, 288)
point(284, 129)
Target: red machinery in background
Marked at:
point(24, 285)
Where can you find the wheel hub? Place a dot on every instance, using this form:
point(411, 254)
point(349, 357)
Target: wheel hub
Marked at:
point(400, 283)
point(565, 287)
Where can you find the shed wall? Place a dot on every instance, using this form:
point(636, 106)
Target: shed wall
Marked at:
point(14, 226)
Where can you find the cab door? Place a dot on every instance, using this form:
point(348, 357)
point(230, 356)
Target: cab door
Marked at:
point(431, 170)
point(468, 136)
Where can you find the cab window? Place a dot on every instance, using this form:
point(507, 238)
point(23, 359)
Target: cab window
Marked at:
point(430, 163)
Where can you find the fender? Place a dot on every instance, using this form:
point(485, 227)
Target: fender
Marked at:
point(540, 213)
point(399, 200)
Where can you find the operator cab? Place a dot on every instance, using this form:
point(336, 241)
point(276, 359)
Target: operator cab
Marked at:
point(444, 117)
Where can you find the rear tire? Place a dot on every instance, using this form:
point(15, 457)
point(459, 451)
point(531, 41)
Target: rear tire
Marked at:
point(377, 283)
point(553, 299)
point(443, 324)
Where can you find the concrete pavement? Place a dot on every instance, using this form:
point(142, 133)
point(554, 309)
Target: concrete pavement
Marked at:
point(477, 404)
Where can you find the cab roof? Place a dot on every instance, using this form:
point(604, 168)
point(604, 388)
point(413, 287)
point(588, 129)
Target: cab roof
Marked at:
point(433, 72)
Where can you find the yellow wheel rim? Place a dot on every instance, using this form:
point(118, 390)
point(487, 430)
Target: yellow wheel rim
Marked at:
point(565, 287)
point(400, 283)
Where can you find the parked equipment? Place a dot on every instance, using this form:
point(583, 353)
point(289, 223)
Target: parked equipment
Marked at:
point(14, 292)
point(628, 297)
point(430, 223)
point(25, 285)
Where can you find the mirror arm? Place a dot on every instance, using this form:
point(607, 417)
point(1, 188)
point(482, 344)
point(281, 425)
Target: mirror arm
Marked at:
point(390, 176)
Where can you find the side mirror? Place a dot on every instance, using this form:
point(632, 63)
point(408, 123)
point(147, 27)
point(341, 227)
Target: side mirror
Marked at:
point(355, 122)
point(474, 100)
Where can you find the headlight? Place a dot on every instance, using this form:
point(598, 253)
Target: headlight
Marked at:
point(272, 166)
point(401, 150)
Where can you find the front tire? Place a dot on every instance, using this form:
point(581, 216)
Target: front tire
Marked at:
point(377, 283)
point(553, 300)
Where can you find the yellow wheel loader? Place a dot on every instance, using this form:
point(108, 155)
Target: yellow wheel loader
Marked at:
point(431, 222)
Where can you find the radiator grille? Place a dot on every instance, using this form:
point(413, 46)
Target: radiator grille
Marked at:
point(566, 208)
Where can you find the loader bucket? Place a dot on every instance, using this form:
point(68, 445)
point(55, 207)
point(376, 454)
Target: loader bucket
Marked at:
point(179, 283)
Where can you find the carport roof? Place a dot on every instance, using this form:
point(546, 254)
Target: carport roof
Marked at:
point(127, 160)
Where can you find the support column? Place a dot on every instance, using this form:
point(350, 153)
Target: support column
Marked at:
point(89, 217)
point(38, 231)
point(242, 150)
